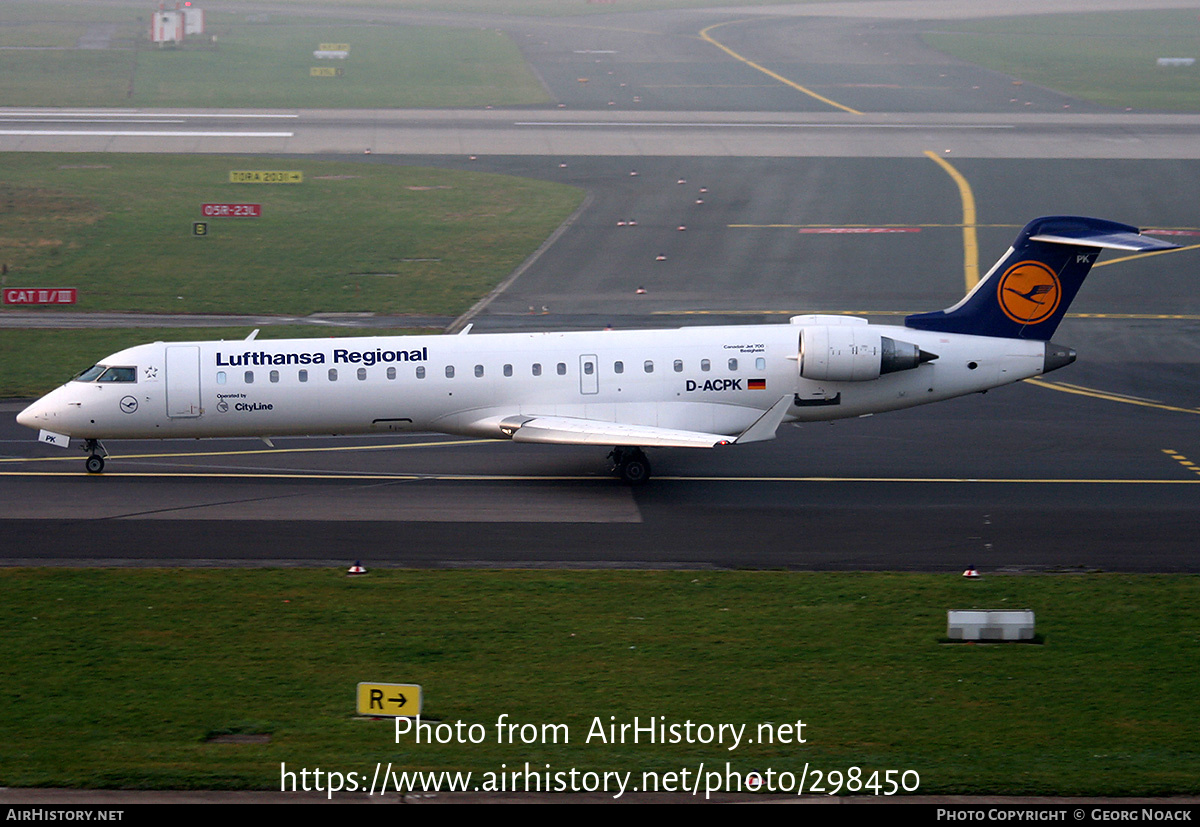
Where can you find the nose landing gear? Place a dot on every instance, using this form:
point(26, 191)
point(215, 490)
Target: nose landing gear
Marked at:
point(95, 462)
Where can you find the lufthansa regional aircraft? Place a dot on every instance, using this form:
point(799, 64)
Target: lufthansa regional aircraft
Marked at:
point(696, 387)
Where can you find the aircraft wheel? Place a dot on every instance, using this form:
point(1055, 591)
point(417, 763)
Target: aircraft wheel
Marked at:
point(635, 470)
point(95, 464)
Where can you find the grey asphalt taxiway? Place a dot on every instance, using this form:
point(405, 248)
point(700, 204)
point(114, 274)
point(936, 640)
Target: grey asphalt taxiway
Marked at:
point(762, 200)
point(1026, 478)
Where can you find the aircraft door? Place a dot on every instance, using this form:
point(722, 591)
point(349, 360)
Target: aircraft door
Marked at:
point(183, 381)
point(589, 374)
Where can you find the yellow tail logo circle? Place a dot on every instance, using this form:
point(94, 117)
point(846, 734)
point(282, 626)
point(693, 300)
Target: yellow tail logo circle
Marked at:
point(1029, 292)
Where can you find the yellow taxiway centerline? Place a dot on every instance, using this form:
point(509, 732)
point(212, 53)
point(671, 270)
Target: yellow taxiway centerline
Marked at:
point(589, 478)
point(970, 237)
point(263, 451)
point(704, 33)
point(1110, 397)
point(1126, 316)
point(957, 226)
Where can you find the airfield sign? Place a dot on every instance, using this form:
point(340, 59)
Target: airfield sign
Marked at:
point(231, 210)
point(394, 700)
point(40, 295)
point(265, 176)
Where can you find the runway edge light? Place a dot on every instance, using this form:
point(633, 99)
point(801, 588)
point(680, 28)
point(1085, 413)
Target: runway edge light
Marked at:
point(357, 568)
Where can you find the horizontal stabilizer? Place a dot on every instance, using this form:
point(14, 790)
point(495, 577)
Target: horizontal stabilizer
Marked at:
point(1132, 242)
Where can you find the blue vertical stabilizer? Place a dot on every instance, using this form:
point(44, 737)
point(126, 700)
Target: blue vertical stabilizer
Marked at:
point(1027, 293)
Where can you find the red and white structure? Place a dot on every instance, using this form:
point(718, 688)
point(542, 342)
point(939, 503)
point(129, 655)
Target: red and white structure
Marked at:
point(173, 25)
point(166, 27)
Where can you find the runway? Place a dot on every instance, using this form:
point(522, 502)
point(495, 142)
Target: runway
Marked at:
point(1095, 471)
point(553, 133)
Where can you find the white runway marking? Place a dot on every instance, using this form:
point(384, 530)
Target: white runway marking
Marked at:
point(746, 124)
point(139, 133)
point(131, 114)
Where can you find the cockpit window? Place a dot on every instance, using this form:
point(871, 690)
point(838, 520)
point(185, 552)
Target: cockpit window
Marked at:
point(103, 373)
point(119, 375)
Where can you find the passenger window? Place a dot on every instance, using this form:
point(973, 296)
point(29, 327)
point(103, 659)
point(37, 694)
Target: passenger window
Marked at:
point(618, 367)
point(220, 377)
point(760, 363)
point(303, 375)
point(733, 364)
point(537, 369)
point(649, 366)
point(362, 374)
point(562, 368)
point(679, 366)
point(391, 373)
point(479, 371)
point(589, 368)
point(705, 365)
point(421, 372)
point(273, 376)
point(333, 374)
point(249, 377)
point(449, 371)
point(508, 370)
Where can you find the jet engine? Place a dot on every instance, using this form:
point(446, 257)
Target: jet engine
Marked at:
point(854, 353)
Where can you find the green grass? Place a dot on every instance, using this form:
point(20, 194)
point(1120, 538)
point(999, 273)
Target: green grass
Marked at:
point(266, 65)
point(1107, 58)
point(116, 678)
point(33, 362)
point(547, 8)
point(352, 237)
point(393, 67)
point(541, 8)
point(13, 15)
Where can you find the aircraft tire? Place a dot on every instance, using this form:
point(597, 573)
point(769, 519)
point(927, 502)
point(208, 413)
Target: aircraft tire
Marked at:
point(95, 464)
point(635, 470)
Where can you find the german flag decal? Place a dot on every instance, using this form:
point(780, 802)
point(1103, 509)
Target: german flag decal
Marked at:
point(756, 384)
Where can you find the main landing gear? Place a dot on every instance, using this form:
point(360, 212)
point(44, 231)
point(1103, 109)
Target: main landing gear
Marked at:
point(630, 465)
point(95, 461)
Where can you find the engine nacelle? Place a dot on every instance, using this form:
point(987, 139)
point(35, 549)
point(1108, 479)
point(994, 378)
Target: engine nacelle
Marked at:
point(854, 353)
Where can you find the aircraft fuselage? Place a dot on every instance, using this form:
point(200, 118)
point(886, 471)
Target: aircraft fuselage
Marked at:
point(710, 379)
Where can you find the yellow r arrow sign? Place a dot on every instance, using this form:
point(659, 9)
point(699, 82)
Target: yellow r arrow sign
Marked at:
point(396, 700)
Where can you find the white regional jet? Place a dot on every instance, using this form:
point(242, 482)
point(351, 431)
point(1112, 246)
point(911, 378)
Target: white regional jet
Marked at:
point(695, 387)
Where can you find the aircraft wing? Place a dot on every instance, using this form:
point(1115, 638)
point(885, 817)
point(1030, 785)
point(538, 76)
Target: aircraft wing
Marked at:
point(566, 430)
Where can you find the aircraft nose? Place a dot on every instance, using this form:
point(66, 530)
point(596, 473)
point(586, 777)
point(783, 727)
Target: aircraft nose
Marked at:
point(31, 415)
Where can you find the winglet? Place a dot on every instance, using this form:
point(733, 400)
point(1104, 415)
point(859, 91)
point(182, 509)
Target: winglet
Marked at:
point(765, 426)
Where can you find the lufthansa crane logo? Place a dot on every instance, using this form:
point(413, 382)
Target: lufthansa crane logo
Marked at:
point(1029, 292)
